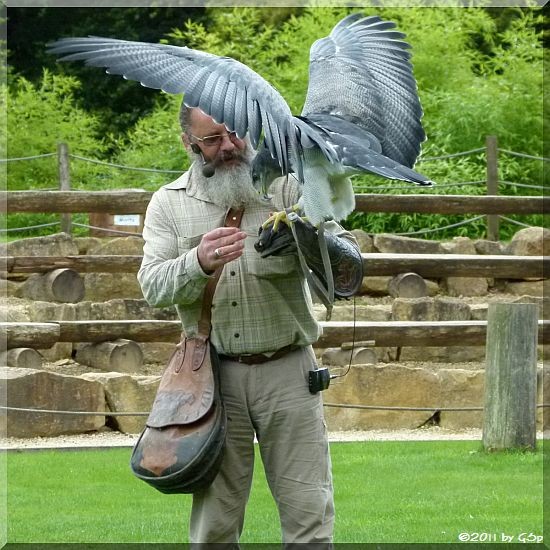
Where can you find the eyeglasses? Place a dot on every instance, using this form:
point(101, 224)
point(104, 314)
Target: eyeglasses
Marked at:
point(211, 141)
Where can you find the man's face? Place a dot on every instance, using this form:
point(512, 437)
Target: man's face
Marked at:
point(225, 150)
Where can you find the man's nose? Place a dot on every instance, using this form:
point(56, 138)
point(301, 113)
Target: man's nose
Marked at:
point(227, 144)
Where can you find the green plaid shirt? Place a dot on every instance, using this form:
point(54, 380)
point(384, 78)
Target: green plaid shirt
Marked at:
point(260, 304)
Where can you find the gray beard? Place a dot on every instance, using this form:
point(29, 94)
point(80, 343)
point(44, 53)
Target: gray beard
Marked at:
point(229, 187)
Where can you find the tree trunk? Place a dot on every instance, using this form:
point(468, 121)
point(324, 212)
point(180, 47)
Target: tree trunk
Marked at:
point(118, 356)
point(25, 358)
point(511, 377)
point(59, 285)
point(408, 285)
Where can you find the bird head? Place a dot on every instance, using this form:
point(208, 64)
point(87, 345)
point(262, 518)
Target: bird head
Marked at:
point(264, 170)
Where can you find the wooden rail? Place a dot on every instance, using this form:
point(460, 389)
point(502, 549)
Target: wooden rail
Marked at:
point(425, 265)
point(390, 333)
point(135, 202)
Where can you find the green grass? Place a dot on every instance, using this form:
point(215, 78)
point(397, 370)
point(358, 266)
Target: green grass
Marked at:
point(409, 492)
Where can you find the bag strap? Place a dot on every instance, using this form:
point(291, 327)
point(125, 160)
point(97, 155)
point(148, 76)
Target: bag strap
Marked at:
point(232, 219)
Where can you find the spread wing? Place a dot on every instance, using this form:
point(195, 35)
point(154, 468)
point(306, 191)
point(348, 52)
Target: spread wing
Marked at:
point(227, 90)
point(362, 73)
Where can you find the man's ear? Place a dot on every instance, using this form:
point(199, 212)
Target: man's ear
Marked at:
point(185, 141)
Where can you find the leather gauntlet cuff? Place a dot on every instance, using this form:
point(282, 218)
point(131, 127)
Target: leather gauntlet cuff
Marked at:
point(345, 258)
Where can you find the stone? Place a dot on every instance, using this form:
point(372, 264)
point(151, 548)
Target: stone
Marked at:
point(451, 309)
point(542, 301)
point(106, 286)
point(461, 388)
point(364, 240)
point(441, 354)
point(375, 285)
point(43, 312)
point(59, 244)
point(384, 385)
point(531, 241)
point(123, 246)
point(156, 352)
point(459, 245)
point(488, 248)
point(543, 397)
point(341, 358)
point(39, 389)
point(432, 287)
point(343, 311)
point(396, 244)
point(479, 312)
point(125, 393)
point(413, 309)
point(528, 288)
point(466, 286)
point(10, 288)
point(85, 244)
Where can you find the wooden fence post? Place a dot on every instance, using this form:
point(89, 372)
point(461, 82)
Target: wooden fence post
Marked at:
point(63, 165)
point(493, 222)
point(510, 377)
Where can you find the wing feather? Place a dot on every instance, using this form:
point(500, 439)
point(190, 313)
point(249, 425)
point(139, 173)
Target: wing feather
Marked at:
point(250, 103)
point(362, 72)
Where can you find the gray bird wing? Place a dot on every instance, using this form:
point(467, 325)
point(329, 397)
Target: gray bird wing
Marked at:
point(362, 72)
point(227, 90)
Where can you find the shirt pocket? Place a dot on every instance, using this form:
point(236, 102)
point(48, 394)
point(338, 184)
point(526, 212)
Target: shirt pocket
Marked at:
point(272, 266)
point(187, 243)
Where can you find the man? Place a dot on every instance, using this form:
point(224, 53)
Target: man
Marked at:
point(262, 327)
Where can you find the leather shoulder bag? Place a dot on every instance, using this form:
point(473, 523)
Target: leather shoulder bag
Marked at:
point(181, 448)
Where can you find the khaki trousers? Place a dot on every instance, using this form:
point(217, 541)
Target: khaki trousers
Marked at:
point(272, 402)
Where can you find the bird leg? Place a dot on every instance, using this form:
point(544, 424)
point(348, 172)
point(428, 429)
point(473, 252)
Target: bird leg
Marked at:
point(286, 216)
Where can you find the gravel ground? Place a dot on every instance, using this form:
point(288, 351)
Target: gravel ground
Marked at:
point(116, 439)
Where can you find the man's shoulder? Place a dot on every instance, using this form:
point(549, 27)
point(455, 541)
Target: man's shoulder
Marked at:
point(179, 183)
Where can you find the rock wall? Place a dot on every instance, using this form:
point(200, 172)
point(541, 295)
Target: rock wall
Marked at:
point(432, 378)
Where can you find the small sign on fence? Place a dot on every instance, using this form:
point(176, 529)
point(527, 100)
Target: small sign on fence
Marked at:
point(119, 224)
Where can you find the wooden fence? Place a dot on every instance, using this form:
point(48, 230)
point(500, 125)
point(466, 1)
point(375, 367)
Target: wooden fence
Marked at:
point(133, 201)
point(425, 265)
point(335, 333)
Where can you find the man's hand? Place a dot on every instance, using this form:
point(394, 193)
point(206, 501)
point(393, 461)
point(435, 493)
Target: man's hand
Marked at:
point(220, 246)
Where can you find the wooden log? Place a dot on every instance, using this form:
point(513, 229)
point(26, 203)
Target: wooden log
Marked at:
point(425, 265)
point(118, 356)
point(451, 204)
point(384, 333)
point(491, 148)
point(64, 173)
point(102, 331)
point(408, 285)
point(35, 335)
point(59, 285)
point(510, 377)
point(82, 264)
point(136, 201)
point(25, 358)
point(130, 201)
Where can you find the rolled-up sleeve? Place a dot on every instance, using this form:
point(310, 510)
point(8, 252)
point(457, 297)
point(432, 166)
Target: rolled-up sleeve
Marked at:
point(167, 275)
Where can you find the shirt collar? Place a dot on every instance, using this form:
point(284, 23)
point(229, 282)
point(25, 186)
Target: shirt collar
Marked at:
point(188, 182)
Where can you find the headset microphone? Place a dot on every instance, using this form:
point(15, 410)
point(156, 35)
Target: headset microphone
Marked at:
point(208, 168)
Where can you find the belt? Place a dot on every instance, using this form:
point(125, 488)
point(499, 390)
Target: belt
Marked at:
point(259, 358)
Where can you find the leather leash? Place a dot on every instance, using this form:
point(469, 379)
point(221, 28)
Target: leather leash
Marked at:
point(232, 219)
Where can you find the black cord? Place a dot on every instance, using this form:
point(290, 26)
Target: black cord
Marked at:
point(332, 376)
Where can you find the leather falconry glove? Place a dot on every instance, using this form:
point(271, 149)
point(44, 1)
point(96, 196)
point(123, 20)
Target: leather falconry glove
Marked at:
point(345, 259)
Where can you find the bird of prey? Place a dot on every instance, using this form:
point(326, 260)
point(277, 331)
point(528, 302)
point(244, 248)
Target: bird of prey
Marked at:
point(361, 113)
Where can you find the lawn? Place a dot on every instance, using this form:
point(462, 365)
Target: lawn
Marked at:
point(387, 492)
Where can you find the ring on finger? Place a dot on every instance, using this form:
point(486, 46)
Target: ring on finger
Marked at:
point(217, 253)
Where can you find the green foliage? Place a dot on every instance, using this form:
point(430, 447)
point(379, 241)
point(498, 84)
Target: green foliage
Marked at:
point(479, 73)
point(39, 118)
